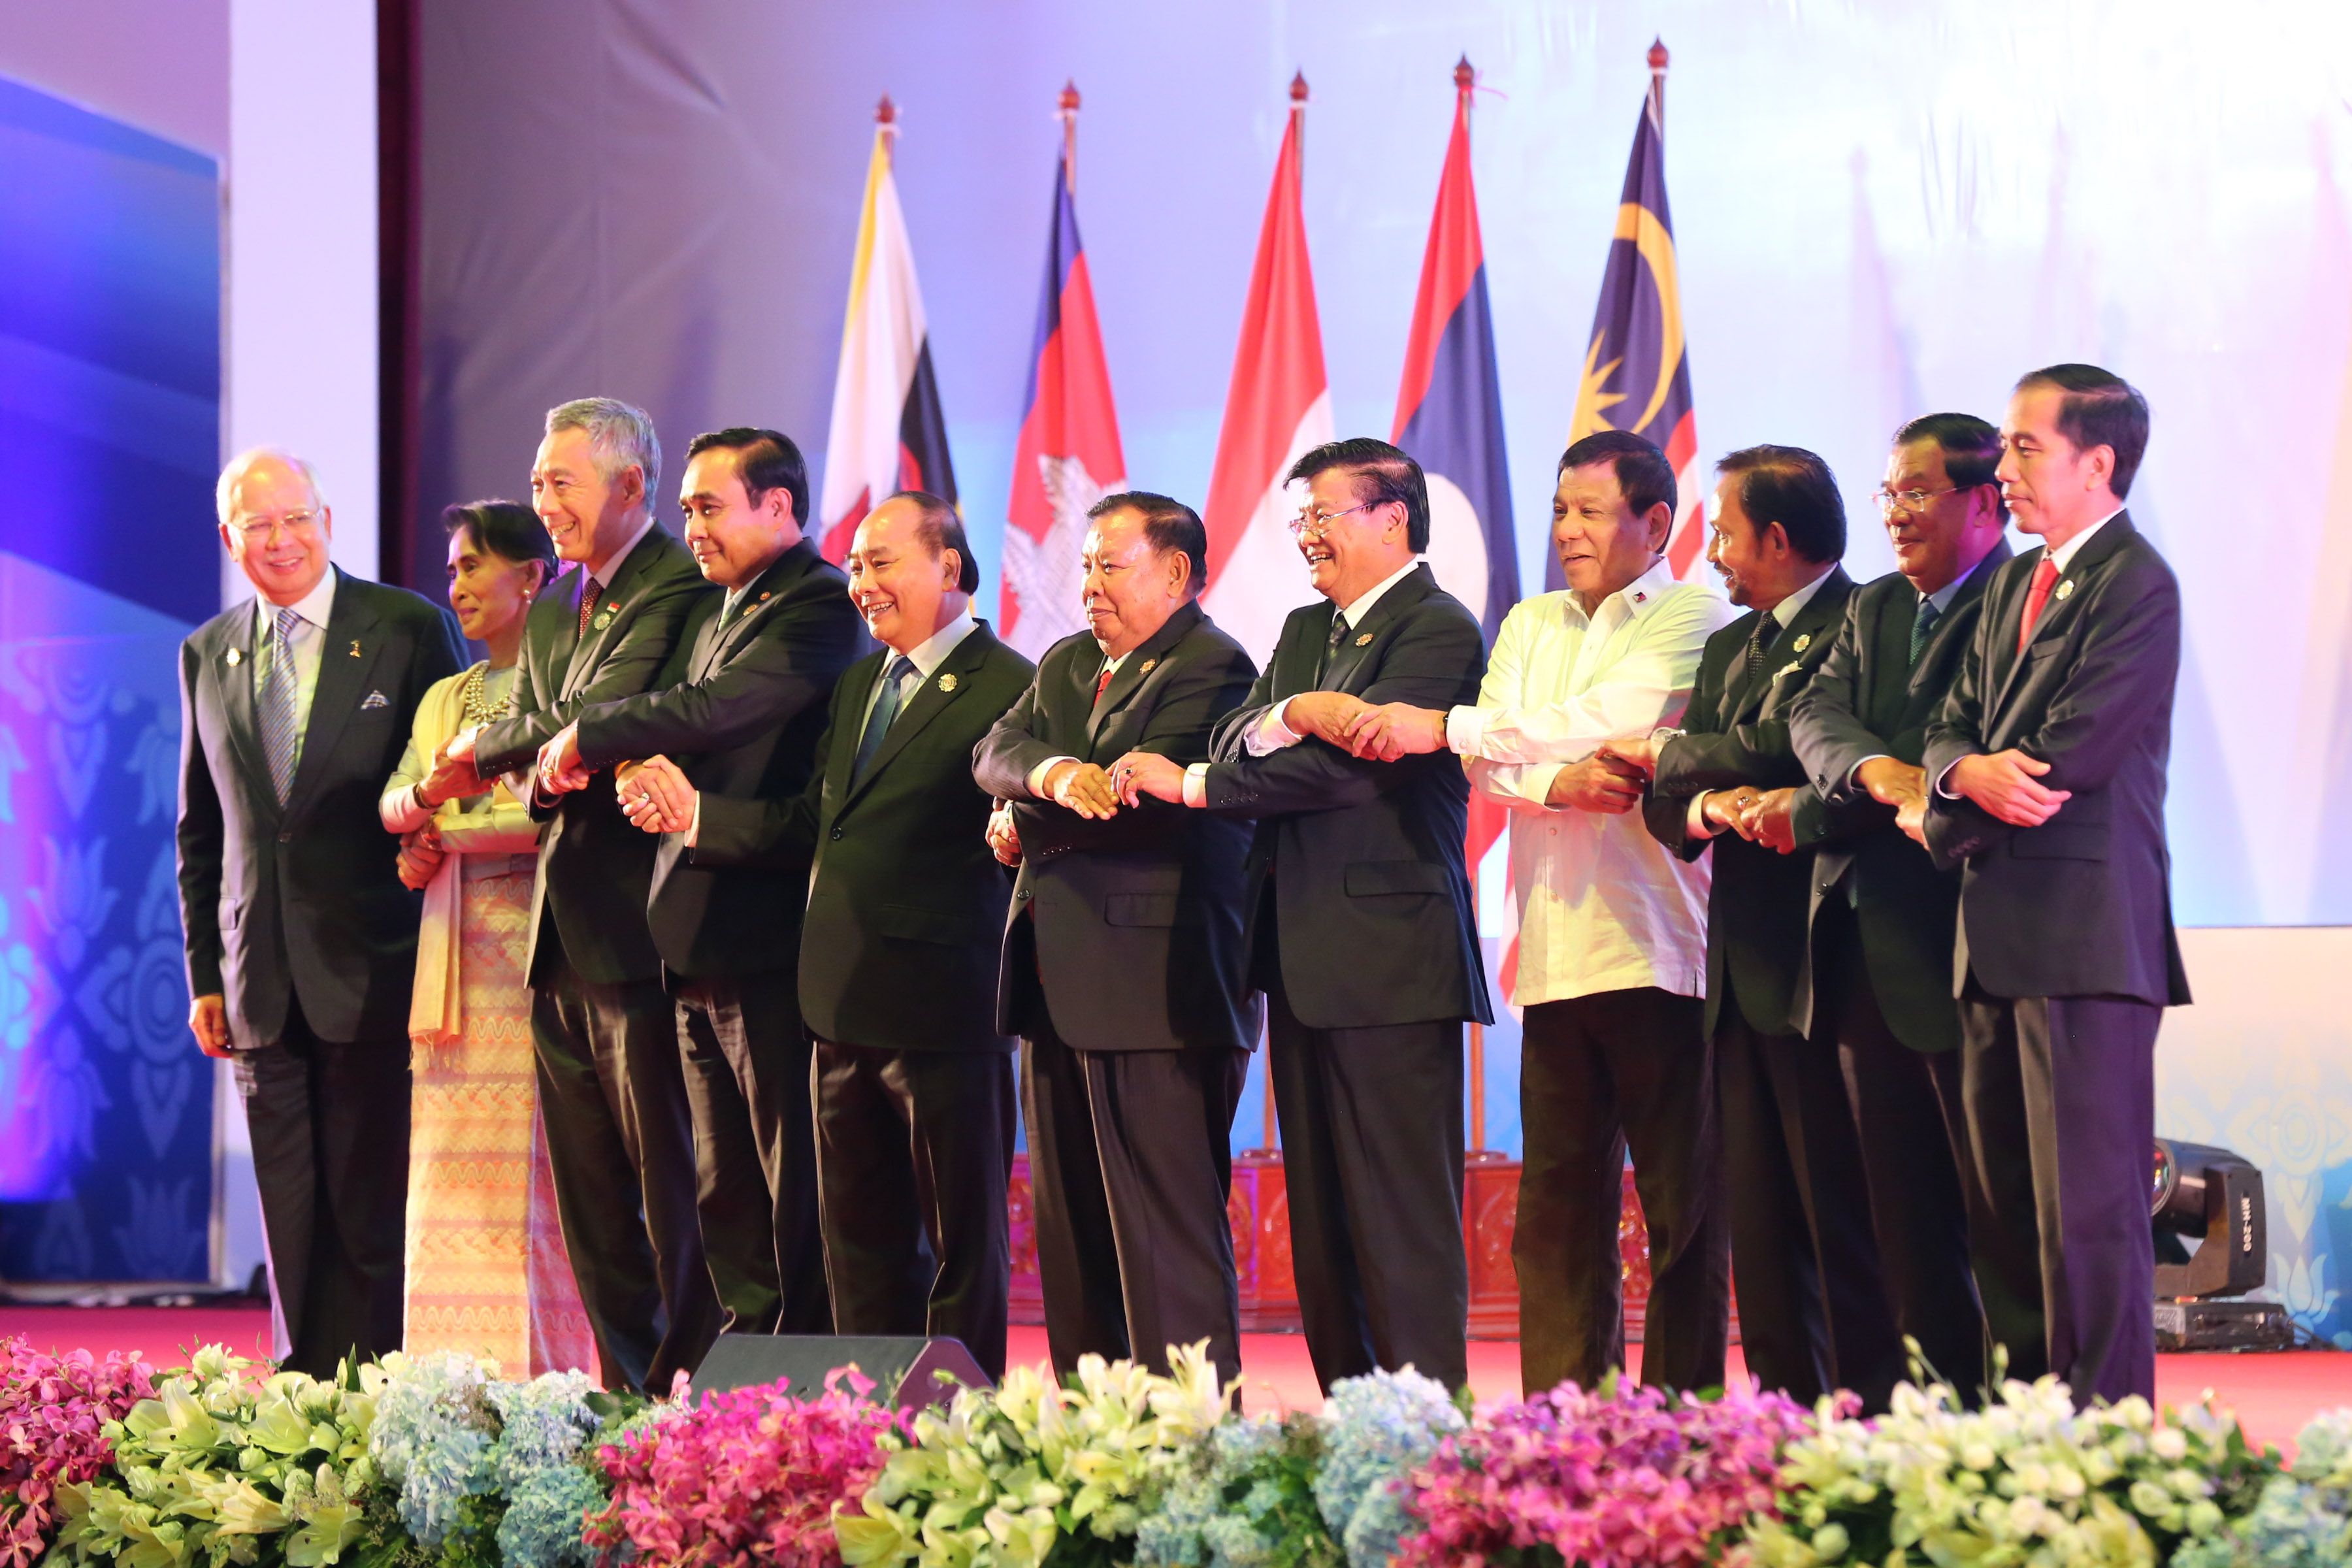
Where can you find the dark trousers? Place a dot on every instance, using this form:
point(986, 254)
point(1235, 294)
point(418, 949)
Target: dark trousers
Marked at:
point(1372, 1155)
point(329, 1126)
point(914, 1150)
point(2083, 1124)
point(1130, 1165)
point(747, 1083)
point(1597, 1074)
point(1813, 1314)
point(621, 1139)
point(1910, 1121)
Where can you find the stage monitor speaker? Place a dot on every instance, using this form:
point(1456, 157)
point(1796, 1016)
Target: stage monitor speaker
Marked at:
point(907, 1370)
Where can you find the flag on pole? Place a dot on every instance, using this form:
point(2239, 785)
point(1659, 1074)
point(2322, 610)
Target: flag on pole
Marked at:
point(888, 433)
point(1278, 407)
point(1068, 456)
point(1636, 377)
point(1449, 418)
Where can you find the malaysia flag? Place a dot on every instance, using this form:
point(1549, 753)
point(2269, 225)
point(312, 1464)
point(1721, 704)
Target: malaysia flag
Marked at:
point(1277, 409)
point(888, 433)
point(1068, 455)
point(1636, 377)
point(1449, 418)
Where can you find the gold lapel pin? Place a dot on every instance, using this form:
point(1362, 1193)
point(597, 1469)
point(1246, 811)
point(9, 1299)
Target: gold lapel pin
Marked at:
point(237, 655)
point(1365, 640)
point(1147, 667)
point(765, 597)
point(947, 680)
point(1802, 643)
point(356, 647)
point(2066, 587)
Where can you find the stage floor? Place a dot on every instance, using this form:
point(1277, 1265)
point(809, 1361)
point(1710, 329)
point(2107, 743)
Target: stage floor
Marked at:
point(2273, 1394)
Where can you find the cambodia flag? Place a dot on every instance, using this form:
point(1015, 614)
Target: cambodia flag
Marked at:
point(1636, 377)
point(888, 433)
point(1277, 409)
point(1068, 455)
point(1449, 418)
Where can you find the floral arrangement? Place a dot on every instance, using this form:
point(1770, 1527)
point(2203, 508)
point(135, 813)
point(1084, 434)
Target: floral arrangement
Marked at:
point(2301, 1518)
point(218, 1469)
point(1377, 1431)
point(2027, 1479)
point(1617, 1474)
point(1244, 1497)
point(53, 1415)
point(1032, 1473)
point(753, 1476)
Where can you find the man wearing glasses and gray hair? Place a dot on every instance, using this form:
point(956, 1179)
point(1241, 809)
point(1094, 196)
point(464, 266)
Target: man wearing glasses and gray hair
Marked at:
point(294, 709)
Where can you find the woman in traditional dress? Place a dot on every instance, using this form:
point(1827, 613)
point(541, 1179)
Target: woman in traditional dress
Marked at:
point(487, 1269)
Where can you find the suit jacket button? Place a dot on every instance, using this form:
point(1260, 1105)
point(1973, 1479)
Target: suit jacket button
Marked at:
point(286, 836)
point(836, 835)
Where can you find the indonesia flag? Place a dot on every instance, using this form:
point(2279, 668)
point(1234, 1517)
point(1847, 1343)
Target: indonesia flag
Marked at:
point(1278, 407)
point(1636, 377)
point(1449, 418)
point(1068, 456)
point(888, 432)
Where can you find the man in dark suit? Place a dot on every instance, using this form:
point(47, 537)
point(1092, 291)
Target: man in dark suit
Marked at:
point(294, 709)
point(1123, 969)
point(899, 947)
point(1362, 930)
point(619, 1133)
point(754, 669)
point(1879, 991)
point(2045, 780)
point(1813, 1313)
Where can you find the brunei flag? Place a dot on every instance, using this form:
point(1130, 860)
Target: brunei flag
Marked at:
point(1278, 406)
point(888, 433)
point(1635, 375)
point(1068, 456)
point(1449, 418)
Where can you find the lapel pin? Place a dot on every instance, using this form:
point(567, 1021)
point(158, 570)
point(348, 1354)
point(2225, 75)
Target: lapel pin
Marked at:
point(765, 597)
point(237, 655)
point(1788, 670)
point(1801, 644)
point(1147, 667)
point(2066, 587)
point(1640, 598)
point(603, 618)
point(947, 680)
point(356, 647)
point(1365, 640)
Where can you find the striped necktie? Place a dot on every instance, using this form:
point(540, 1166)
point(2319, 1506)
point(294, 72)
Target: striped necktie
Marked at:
point(1923, 626)
point(278, 734)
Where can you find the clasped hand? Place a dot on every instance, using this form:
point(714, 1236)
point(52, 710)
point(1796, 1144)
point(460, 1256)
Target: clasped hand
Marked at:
point(560, 771)
point(656, 796)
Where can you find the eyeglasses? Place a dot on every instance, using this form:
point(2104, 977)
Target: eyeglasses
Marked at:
point(1309, 524)
point(1914, 502)
point(298, 523)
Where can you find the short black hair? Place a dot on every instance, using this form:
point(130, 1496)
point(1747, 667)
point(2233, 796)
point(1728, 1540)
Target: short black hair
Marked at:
point(765, 459)
point(2100, 409)
point(1971, 446)
point(508, 530)
point(1795, 488)
point(941, 530)
point(1380, 469)
point(1645, 477)
point(1169, 524)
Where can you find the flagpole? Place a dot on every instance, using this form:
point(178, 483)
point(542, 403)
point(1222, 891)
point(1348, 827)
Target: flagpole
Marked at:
point(1068, 115)
point(1466, 79)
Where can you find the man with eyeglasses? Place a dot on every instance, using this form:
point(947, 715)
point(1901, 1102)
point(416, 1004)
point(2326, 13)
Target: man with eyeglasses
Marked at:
point(301, 942)
point(1360, 928)
point(1878, 990)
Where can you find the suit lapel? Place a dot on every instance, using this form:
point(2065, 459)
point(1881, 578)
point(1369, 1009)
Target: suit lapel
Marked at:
point(1295, 657)
point(724, 635)
point(842, 757)
point(1347, 659)
point(1136, 667)
point(237, 692)
point(931, 700)
point(1889, 666)
point(350, 653)
point(1735, 677)
point(633, 569)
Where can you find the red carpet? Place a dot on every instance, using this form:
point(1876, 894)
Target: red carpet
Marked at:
point(2272, 1394)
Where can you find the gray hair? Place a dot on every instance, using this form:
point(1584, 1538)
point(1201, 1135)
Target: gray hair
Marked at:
point(619, 435)
point(225, 492)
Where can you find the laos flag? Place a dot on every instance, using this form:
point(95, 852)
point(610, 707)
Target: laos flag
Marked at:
point(1635, 375)
point(1068, 455)
point(1449, 418)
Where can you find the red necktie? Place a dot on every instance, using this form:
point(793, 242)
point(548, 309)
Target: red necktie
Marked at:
point(587, 608)
point(1102, 682)
point(2037, 594)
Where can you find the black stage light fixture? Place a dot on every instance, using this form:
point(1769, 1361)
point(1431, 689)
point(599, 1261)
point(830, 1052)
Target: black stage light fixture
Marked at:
point(2215, 1196)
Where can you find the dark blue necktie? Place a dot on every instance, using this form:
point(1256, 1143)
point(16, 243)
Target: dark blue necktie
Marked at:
point(1922, 626)
point(886, 709)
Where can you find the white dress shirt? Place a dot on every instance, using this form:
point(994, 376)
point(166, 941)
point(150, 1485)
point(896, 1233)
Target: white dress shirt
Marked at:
point(309, 646)
point(1603, 905)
